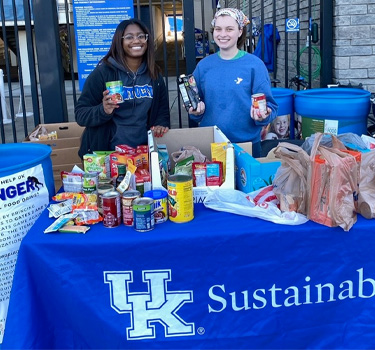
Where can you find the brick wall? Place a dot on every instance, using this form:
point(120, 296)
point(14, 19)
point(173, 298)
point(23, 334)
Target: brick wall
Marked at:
point(286, 63)
point(353, 38)
point(354, 42)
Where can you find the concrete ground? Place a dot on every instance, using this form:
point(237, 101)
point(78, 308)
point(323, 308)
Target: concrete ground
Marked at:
point(22, 126)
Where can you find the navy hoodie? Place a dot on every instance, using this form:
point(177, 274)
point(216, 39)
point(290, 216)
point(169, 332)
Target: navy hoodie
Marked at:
point(146, 105)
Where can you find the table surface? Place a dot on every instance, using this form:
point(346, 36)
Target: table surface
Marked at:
point(221, 281)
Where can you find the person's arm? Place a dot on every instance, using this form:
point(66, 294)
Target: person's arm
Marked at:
point(265, 87)
point(89, 110)
point(162, 122)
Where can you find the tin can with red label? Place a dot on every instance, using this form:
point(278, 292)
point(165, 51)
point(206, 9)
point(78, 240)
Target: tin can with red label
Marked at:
point(102, 189)
point(127, 206)
point(111, 209)
point(259, 102)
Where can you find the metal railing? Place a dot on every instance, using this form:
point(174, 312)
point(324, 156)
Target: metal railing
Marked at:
point(40, 77)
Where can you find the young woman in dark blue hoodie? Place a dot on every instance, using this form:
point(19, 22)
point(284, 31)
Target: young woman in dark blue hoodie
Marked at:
point(108, 123)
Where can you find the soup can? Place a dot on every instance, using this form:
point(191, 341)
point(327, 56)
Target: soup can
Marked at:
point(116, 90)
point(127, 206)
point(90, 183)
point(143, 214)
point(259, 102)
point(180, 198)
point(111, 209)
point(102, 189)
point(160, 198)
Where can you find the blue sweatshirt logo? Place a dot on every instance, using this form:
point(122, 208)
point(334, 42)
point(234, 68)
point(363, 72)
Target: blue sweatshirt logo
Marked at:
point(138, 91)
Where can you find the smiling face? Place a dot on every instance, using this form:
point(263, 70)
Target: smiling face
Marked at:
point(281, 125)
point(226, 33)
point(134, 48)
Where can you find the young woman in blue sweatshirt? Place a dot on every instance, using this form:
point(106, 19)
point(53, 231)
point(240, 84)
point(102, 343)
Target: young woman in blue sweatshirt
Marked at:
point(227, 80)
point(108, 123)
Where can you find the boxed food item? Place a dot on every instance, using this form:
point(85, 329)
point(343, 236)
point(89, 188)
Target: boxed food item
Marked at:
point(201, 138)
point(57, 169)
point(253, 173)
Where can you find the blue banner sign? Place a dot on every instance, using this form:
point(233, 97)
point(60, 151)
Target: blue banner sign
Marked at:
point(94, 25)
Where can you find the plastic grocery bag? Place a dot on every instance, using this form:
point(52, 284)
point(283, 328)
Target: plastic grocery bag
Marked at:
point(39, 132)
point(333, 186)
point(290, 182)
point(186, 152)
point(366, 198)
point(237, 202)
point(336, 142)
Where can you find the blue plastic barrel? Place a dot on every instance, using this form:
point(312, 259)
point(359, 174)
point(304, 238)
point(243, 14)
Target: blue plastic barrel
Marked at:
point(333, 110)
point(26, 187)
point(285, 99)
point(24, 157)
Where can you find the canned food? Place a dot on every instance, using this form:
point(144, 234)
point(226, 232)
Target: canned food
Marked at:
point(111, 209)
point(127, 206)
point(143, 209)
point(90, 183)
point(160, 198)
point(103, 188)
point(259, 102)
point(180, 198)
point(116, 90)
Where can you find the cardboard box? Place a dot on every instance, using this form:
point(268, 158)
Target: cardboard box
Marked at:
point(68, 135)
point(64, 149)
point(65, 156)
point(253, 173)
point(200, 138)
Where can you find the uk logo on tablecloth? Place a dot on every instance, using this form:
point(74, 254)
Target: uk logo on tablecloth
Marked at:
point(158, 304)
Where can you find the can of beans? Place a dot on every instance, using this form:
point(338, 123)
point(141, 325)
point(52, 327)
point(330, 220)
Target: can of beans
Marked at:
point(259, 102)
point(127, 206)
point(90, 183)
point(180, 198)
point(143, 214)
point(102, 189)
point(116, 90)
point(111, 209)
point(160, 198)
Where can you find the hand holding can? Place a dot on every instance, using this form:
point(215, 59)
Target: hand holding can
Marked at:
point(116, 90)
point(259, 110)
point(112, 96)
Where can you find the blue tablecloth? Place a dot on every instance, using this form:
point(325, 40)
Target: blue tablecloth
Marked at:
point(220, 281)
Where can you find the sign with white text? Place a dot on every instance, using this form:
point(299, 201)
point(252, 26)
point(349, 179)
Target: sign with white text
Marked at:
point(23, 197)
point(95, 22)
